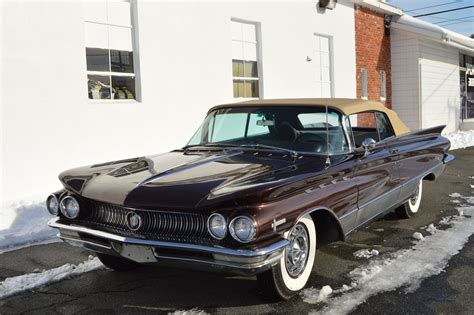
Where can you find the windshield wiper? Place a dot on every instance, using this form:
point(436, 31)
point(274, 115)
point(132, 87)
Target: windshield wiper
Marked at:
point(292, 153)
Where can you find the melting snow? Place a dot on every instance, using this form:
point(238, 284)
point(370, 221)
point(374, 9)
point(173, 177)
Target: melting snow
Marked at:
point(405, 268)
point(30, 281)
point(313, 295)
point(366, 253)
point(461, 139)
point(23, 223)
point(418, 236)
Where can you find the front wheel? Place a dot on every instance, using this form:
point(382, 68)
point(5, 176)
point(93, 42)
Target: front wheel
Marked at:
point(412, 205)
point(286, 279)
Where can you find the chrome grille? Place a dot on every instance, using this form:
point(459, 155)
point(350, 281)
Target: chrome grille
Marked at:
point(162, 225)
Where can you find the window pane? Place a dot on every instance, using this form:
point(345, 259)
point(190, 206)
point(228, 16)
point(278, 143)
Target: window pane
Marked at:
point(250, 51)
point(118, 12)
point(121, 61)
point(120, 38)
point(237, 68)
point(383, 126)
point(236, 30)
point(257, 125)
point(98, 87)
point(324, 44)
point(237, 50)
point(97, 59)
point(250, 69)
point(229, 126)
point(248, 32)
point(251, 88)
point(123, 87)
point(96, 35)
point(363, 77)
point(238, 88)
point(363, 127)
point(383, 84)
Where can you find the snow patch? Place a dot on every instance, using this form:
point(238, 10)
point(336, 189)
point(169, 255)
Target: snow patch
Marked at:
point(455, 195)
point(366, 253)
point(418, 236)
point(313, 295)
point(431, 228)
point(403, 269)
point(31, 281)
point(460, 139)
point(24, 222)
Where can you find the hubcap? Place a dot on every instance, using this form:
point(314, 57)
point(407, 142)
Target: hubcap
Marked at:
point(296, 254)
point(414, 199)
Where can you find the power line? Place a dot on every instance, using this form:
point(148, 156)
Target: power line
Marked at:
point(434, 6)
point(445, 11)
point(452, 20)
point(459, 22)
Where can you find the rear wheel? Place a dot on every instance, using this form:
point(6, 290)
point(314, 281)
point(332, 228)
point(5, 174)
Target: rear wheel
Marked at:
point(117, 263)
point(291, 274)
point(412, 205)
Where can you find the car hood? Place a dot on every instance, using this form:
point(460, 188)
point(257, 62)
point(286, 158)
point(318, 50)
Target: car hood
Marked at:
point(187, 180)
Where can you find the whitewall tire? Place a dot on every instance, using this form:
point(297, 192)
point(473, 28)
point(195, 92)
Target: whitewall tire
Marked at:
point(412, 205)
point(291, 274)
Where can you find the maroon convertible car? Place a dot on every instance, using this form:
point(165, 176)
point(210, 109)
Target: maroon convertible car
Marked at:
point(256, 190)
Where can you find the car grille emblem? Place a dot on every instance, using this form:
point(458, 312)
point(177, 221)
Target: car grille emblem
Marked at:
point(134, 221)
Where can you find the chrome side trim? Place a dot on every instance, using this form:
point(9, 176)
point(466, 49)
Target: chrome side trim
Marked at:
point(193, 247)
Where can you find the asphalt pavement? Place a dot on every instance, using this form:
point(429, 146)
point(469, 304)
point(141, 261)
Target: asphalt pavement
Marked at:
point(156, 290)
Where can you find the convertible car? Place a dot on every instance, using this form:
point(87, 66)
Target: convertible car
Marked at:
point(259, 187)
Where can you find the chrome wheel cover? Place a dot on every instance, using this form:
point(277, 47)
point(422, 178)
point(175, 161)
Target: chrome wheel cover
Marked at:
point(296, 254)
point(414, 198)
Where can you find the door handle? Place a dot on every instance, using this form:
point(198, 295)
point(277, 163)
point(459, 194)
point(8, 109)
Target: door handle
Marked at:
point(393, 151)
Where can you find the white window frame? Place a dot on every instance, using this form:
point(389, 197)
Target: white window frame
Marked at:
point(383, 85)
point(258, 37)
point(331, 63)
point(364, 93)
point(136, 61)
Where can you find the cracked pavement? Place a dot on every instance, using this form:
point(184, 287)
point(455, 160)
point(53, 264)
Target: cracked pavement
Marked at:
point(157, 290)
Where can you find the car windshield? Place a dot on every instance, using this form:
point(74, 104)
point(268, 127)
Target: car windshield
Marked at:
point(314, 129)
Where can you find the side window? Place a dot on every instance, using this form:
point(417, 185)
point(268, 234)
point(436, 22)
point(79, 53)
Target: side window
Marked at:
point(364, 126)
point(258, 125)
point(228, 127)
point(383, 126)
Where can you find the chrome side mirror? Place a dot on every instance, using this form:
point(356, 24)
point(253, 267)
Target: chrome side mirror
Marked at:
point(368, 144)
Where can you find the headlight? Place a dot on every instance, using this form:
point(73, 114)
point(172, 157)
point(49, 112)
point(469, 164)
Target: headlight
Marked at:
point(243, 229)
point(52, 204)
point(216, 225)
point(69, 207)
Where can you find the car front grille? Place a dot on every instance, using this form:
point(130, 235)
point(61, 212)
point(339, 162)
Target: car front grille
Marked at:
point(157, 225)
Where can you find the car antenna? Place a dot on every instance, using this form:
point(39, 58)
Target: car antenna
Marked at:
point(328, 160)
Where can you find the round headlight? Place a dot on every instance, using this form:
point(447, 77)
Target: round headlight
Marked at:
point(243, 229)
point(52, 204)
point(217, 226)
point(69, 207)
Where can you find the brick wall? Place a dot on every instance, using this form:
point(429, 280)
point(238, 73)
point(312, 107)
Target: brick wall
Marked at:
point(372, 53)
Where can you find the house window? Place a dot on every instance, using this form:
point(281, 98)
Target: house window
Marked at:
point(111, 70)
point(322, 65)
point(383, 86)
point(363, 79)
point(245, 60)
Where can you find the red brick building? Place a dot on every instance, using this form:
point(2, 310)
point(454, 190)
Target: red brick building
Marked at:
point(373, 66)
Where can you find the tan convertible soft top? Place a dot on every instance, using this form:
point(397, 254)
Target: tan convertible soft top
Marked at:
point(347, 106)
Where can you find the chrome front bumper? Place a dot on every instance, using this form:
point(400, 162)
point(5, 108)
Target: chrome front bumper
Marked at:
point(192, 256)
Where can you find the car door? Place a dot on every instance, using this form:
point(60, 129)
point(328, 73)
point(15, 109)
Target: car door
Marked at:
point(377, 173)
